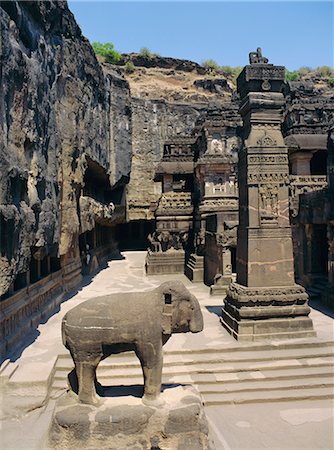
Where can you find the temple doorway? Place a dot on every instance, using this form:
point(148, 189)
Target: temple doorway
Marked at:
point(133, 235)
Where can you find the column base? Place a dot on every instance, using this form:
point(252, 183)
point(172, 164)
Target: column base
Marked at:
point(251, 314)
point(194, 269)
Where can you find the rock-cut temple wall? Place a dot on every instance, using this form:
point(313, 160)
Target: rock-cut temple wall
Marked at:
point(57, 108)
point(65, 140)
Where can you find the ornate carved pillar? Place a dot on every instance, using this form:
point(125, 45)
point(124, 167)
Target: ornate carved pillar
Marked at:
point(265, 302)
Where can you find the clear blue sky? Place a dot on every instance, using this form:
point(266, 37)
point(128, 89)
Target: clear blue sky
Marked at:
point(293, 34)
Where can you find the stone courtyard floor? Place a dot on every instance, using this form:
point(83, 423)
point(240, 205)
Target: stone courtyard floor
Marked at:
point(306, 424)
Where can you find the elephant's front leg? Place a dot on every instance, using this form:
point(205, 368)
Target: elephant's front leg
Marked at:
point(150, 356)
point(86, 373)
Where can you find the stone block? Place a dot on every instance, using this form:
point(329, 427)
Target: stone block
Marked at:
point(221, 285)
point(267, 313)
point(160, 263)
point(126, 423)
point(194, 269)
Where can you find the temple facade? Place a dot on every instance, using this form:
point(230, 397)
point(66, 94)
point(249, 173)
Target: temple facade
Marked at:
point(209, 158)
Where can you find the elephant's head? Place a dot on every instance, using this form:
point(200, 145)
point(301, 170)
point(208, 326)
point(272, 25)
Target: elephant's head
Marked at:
point(181, 310)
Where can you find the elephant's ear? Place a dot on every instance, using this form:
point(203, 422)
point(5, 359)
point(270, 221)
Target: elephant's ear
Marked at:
point(167, 314)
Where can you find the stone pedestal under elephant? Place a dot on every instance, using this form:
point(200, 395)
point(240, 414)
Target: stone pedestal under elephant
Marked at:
point(138, 321)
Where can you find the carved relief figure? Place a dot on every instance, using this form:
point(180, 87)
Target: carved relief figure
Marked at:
point(232, 146)
point(216, 146)
point(138, 321)
point(162, 241)
point(268, 203)
point(154, 245)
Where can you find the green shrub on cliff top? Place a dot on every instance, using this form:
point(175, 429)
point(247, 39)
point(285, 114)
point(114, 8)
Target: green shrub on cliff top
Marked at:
point(231, 72)
point(291, 76)
point(304, 71)
point(211, 64)
point(129, 67)
point(145, 52)
point(107, 50)
point(324, 71)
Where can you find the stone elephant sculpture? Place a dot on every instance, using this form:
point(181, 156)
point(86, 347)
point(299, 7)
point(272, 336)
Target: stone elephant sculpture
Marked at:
point(138, 321)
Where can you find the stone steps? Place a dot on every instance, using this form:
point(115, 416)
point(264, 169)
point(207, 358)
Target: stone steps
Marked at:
point(286, 371)
point(309, 393)
point(205, 367)
point(267, 384)
point(226, 378)
point(214, 355)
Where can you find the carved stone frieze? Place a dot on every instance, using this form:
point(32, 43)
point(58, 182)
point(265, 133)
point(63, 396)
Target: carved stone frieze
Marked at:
point(175, 200)
point(264, 72)
point(260, 178)
point(267, 159)
point(269, 296)
point(208, 203)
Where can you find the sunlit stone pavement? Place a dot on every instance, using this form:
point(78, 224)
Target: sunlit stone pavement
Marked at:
point(277, 425)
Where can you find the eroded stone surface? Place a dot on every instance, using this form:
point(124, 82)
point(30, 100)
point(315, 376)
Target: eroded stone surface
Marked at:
point(125, 423)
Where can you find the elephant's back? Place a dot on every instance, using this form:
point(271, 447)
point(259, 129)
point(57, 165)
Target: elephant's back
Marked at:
point(109, 311)
point(93, 310)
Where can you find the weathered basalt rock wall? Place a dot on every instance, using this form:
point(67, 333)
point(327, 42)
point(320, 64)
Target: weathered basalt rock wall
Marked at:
point(57, 107)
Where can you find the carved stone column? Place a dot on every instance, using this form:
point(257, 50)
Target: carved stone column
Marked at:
point(265, 301)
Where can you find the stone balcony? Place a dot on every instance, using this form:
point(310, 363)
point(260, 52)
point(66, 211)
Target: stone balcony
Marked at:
point(301, 184)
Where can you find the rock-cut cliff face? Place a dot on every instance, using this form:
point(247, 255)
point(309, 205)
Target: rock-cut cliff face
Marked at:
point(57, 111)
